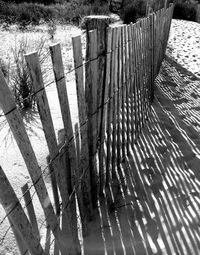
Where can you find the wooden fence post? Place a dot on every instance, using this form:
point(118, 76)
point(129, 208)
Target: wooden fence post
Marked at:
point(100, 23)
point(17, 216)
point(16, 124)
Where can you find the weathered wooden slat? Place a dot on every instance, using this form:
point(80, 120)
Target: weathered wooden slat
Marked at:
point(147, 23)
point(134, 85)
point(100, 24)
point(146, 65)
point(18, 218)
point(124, 115)
point(59, 74)
point(19, 240)
point(127, 86)
point(84, 160)
point(30, 209)
point(16, 124)
point(131, 71)
point(142, 69)
point(54, 186)
point(152, 19)
point(80, 198)
point(138, 76)
point(91, 104)
point(48, 128)
point(110, 107)
point(105, 111)
point(114, 112)
point(119, 99)
point(158, 14)
point(56, 198)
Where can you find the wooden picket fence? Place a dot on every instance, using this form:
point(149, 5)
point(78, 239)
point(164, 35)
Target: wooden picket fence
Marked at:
point(115, 82)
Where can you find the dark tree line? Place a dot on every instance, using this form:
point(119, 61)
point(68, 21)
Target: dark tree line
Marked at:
point(31, 1)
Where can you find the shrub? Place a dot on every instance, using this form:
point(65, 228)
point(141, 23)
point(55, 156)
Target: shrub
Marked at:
point(184, 11)
point(21, 83)
point(25, 14)
point(133, 11)
point(74, 11)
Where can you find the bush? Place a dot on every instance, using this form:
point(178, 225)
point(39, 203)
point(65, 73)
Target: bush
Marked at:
point(25, 14)
point(184, 11)
point(133, 11)
point(20, 81)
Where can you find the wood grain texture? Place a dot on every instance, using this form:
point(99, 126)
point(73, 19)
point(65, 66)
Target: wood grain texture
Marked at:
point(17, 216)
point(48, 128)
point(16, 124)
point(82, 112)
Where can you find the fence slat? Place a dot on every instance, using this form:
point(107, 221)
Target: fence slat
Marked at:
point(47, 123)
point(140, 74)
point(135, 84)
point(91, 104)
point(17, 216)
point(99, 23)
point(127, 85)
point(16, 124)
point(59, 74)
point(54, 185)
point(119, 103)
point(146, 78)
point(30, 208)
point(152, 54)
point(124, 115)
point(84, 160)
point(149, 55)
point(80, 197)
point(19, 240)
point(105, 111)
point(110, 107)
point(114, 112)
point(142, 69)
point(131, 71)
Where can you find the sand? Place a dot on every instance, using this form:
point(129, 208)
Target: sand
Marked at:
point(184, 44)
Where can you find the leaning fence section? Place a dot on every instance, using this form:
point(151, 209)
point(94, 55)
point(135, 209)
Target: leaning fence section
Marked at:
point(115, 89)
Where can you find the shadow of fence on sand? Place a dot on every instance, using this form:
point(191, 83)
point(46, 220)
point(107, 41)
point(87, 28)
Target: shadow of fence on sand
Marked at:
point(153, 203)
